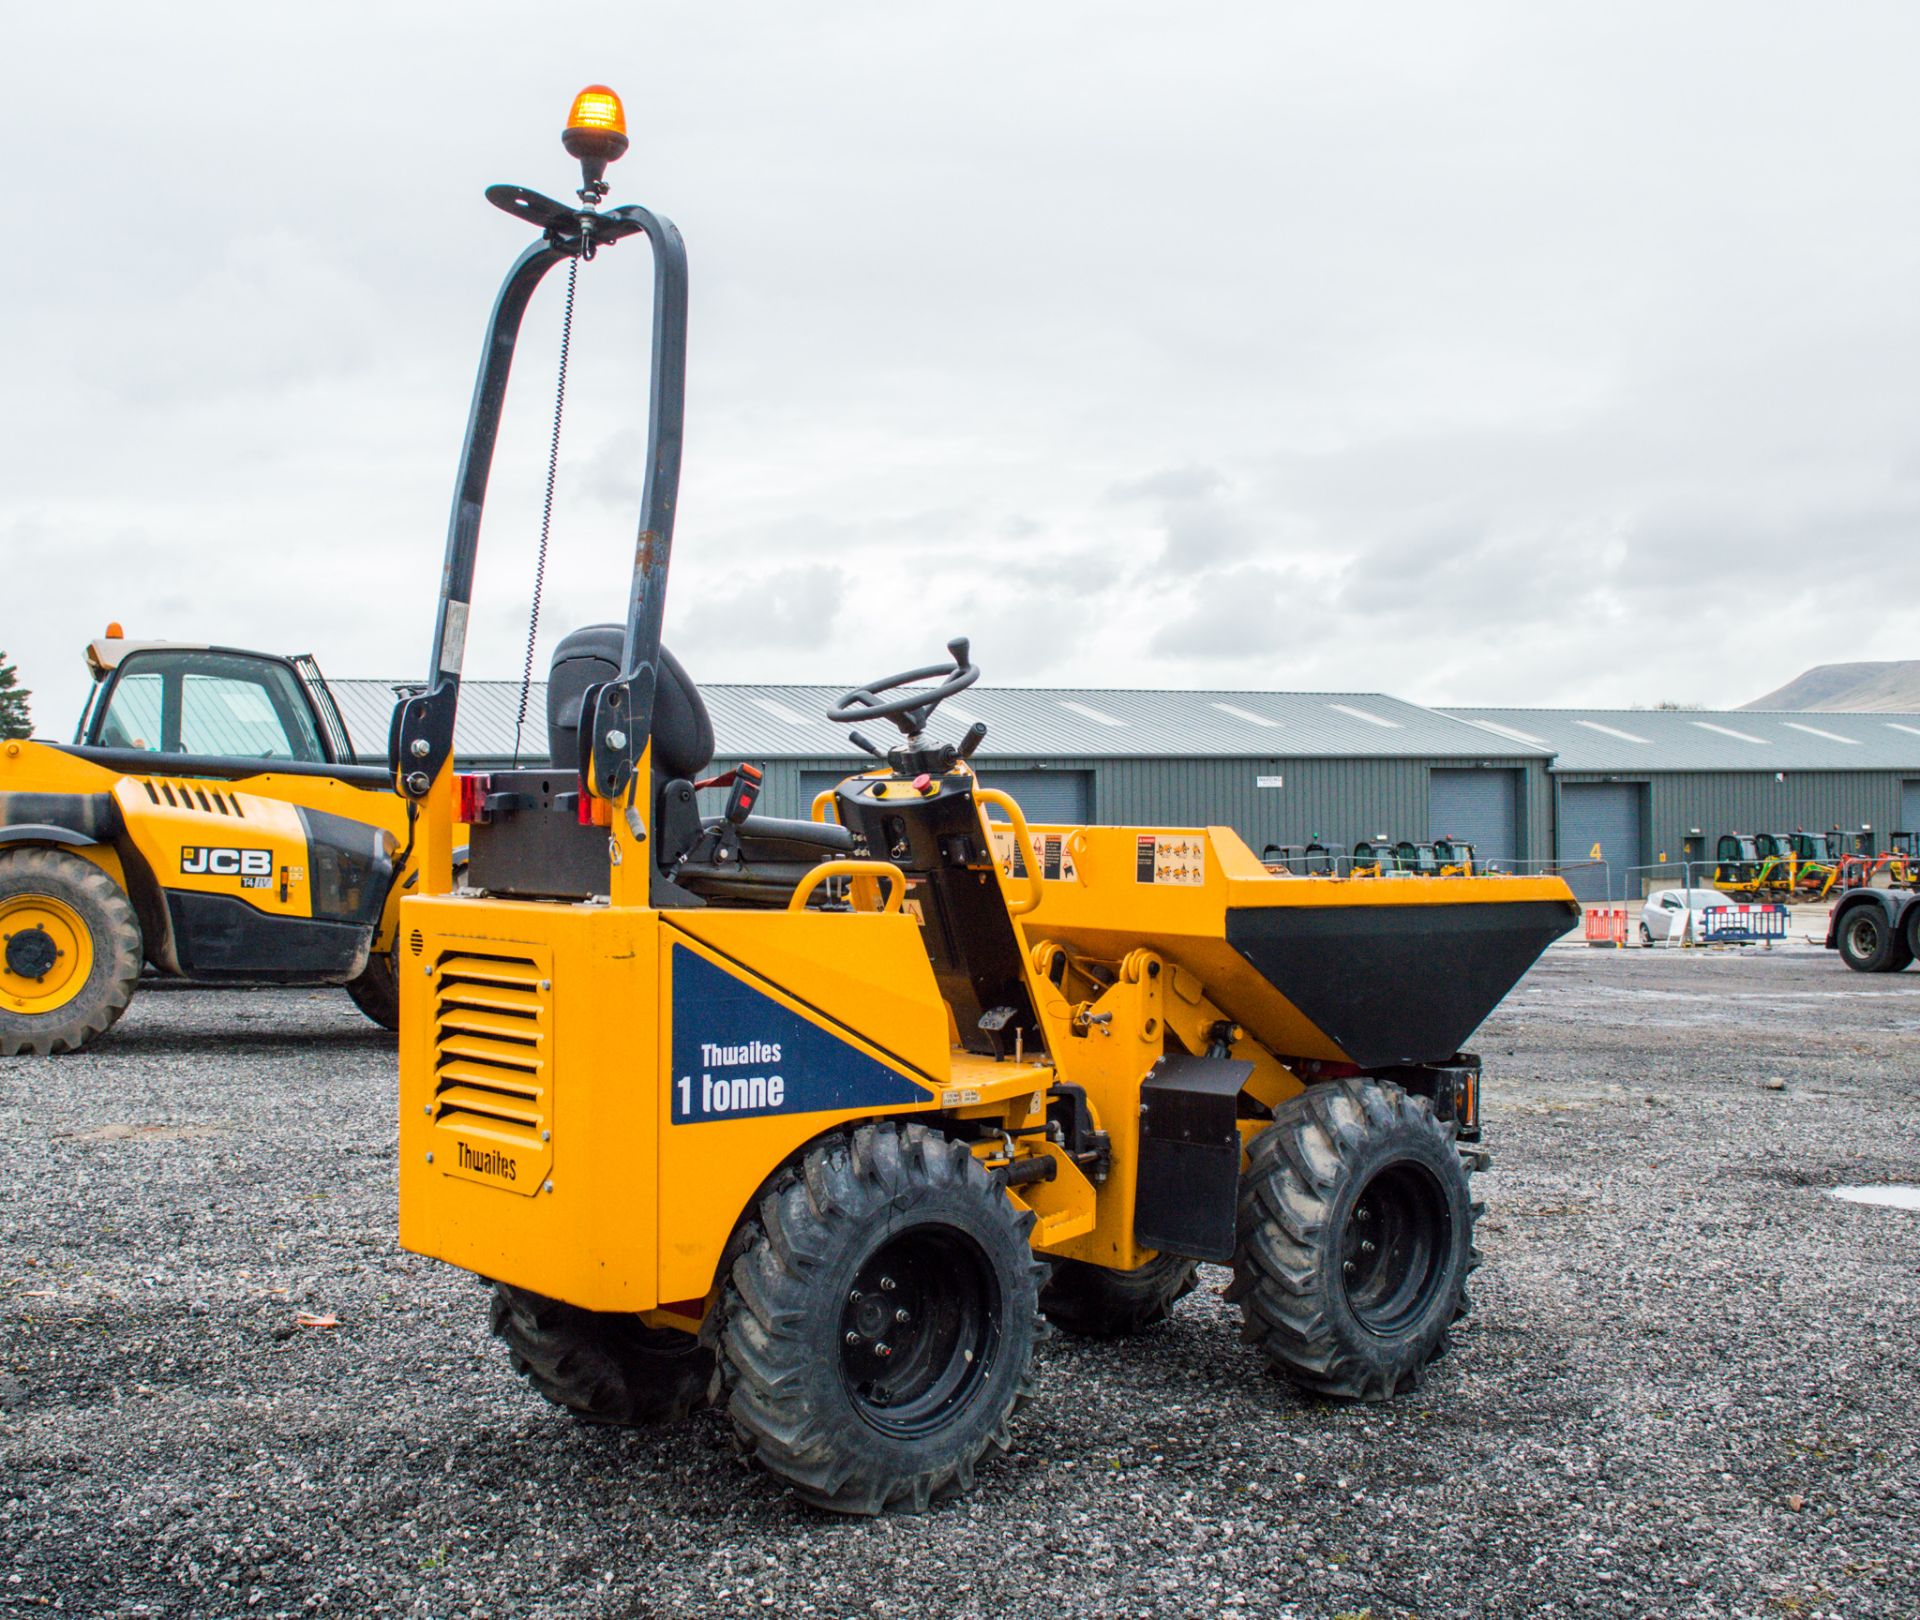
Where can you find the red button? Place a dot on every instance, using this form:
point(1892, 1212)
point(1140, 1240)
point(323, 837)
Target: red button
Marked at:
point(923, 783)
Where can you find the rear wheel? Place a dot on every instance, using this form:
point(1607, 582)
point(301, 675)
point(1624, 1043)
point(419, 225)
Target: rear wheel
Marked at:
point(1867, 941)
point(601, 1366)
point(377, 991)
point(1355, 1239)
point(878, 1327)
point(1646, 935)
point(69, 952)
point(1103, 1303)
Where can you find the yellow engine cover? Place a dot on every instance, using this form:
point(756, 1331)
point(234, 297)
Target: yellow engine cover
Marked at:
point(590, 1097)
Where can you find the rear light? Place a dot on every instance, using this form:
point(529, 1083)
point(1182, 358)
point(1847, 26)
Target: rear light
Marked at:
point(593, 812)
point(470, 801)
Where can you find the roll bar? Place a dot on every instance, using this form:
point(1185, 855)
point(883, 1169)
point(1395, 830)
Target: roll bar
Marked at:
point(420, 738)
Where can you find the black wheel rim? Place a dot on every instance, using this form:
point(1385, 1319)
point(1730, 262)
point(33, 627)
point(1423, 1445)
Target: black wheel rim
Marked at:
point(1394, 1248)
point(918, 1330)
point(1863, 936)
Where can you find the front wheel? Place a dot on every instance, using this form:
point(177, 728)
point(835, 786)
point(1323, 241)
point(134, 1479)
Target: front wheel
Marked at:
point(1355, 1239)
point(877, 1329)
point(1646, 935)
point(69, 952)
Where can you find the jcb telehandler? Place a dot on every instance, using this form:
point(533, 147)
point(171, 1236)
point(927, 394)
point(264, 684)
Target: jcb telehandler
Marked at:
point(208, 821)
point(815, 1120)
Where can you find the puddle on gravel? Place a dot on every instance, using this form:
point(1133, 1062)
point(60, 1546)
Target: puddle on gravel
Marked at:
point(1891, 1196)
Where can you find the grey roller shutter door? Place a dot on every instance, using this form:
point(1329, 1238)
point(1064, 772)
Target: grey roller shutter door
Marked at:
point(1058, 798)
point(813, 784)
point(1606, 814)
point(1477, 806)
point(1909, 807)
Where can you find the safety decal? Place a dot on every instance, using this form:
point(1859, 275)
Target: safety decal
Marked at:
point(1050, 850)
point(738, 1054)
point(1180, 859)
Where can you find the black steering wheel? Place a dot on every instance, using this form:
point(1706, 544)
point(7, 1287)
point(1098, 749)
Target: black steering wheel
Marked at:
point(909, 713)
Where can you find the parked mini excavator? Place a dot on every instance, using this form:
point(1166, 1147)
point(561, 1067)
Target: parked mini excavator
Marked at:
point(816, 1120)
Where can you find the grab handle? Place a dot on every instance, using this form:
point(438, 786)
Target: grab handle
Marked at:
point(1002, 802)
point(870, 870)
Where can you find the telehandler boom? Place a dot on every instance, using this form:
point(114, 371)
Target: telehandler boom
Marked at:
point(816, 1120)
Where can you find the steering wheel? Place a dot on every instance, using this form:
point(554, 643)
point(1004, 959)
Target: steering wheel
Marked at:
point(909, 713)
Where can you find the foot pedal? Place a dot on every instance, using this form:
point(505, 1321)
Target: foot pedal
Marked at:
point(1189, 1182)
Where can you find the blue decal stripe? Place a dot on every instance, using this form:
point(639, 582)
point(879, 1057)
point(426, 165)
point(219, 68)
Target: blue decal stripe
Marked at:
point(861, 1042)
point(738, 1053)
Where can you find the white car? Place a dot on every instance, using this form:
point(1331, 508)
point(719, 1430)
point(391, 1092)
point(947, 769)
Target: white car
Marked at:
point(1664, 917)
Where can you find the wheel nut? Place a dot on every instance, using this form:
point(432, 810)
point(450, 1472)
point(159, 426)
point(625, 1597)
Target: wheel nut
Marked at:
point(883, 1348)
point(902, 1318)
point(854, 1296)
point(852, 1337)
point(886, 1285)
point(1366, 1248)
point(1363, 1213)
point(1347, 1266)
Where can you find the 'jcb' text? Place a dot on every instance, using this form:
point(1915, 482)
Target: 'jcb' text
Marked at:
point(199, 861)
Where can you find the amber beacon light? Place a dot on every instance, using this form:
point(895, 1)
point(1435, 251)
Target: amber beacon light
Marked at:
point(596, 134)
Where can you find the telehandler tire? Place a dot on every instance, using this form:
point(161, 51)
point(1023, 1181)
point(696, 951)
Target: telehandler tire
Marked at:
point(602, 1367)
point(69, 952)
point(878, 1324)
point(1102, 1303)
point(1355, 1239)
point(377, 991)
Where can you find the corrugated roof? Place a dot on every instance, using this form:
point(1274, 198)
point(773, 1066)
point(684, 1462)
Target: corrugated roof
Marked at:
point(1628, 740)
point(788, 722)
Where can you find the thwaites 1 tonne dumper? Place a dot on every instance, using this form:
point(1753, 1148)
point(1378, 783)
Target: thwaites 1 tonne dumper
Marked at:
point(816, 1121)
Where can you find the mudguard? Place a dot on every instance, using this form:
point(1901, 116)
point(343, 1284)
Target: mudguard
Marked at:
point(39, 832)
point(74, 820)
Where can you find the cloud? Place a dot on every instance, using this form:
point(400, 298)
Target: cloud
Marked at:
point(784, 610)
point(1457, 353)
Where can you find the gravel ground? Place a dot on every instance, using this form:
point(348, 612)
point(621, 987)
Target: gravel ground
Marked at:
point(1688, 1387)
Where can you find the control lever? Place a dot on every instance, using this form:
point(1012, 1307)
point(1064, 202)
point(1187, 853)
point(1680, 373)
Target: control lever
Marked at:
point(976, 734)
point(861, 742)
point(960, 646)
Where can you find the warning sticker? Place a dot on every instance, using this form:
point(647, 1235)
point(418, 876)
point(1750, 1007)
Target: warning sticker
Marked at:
point(1170, 858)
point(1050, 853)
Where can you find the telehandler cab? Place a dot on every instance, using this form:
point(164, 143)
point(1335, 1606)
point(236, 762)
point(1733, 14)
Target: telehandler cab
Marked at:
point(816, 1120)
point(208, 820)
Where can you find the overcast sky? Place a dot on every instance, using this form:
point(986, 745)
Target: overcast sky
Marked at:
point(1476, 353)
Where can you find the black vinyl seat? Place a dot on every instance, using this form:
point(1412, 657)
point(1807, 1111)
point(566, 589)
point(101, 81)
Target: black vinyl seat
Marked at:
point(589, 657)
point(759, 861)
